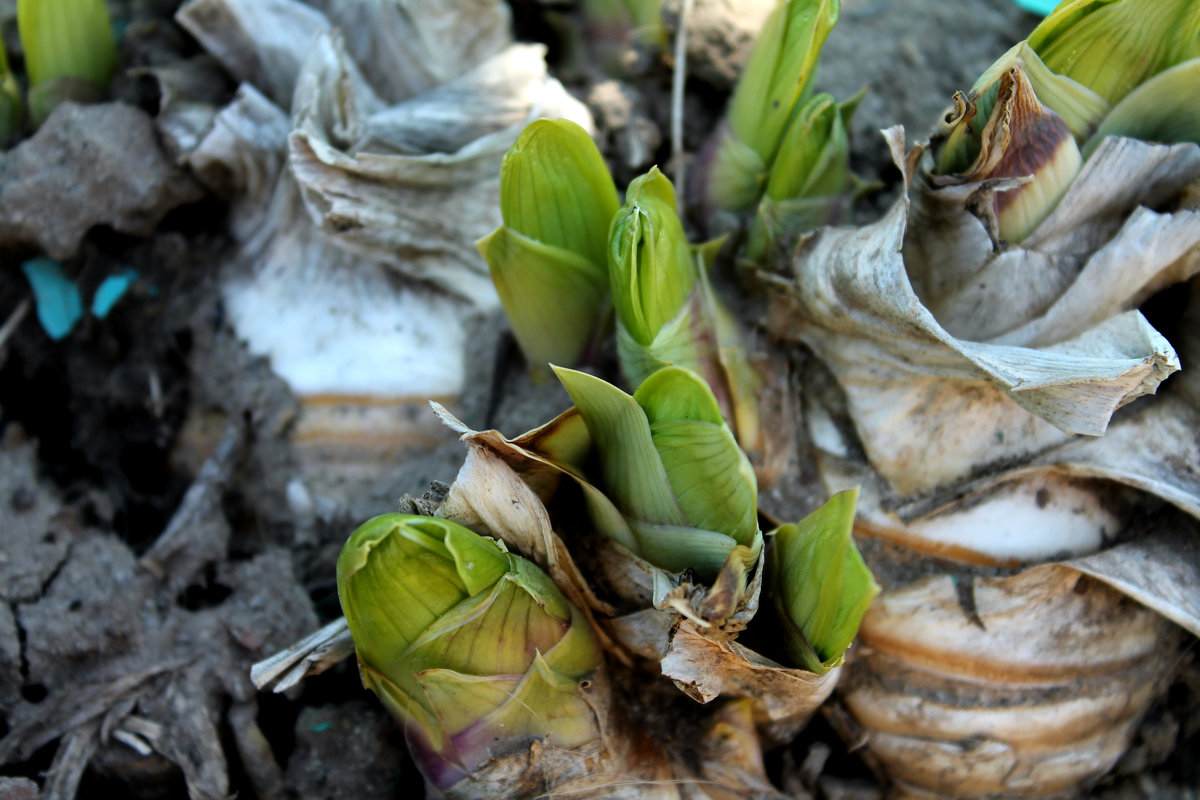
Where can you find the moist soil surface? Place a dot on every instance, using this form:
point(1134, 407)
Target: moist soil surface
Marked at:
point(160, 528)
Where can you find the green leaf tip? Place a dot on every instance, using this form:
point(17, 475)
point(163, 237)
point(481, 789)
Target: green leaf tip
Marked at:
point(651, 264)
point(819, 583)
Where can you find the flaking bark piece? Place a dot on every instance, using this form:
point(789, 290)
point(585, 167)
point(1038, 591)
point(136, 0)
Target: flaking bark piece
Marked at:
point(931, 408)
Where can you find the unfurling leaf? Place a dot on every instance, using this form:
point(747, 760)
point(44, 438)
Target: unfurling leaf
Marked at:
point(672, 468)
point(819, 584)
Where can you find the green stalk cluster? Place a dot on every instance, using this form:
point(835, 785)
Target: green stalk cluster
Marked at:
point(782, 151)
point(568, 253)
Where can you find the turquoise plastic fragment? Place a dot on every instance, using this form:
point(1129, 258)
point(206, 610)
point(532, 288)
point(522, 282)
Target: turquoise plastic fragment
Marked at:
point(1042, 7)
point(56, 297)
point(110, 290)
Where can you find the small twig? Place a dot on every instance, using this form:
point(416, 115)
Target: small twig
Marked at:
point(678, 158)
point(156, 394)
point(14, 319)
point(311, 655)
point(133, 741)
point(198, 500)
point(70, 761)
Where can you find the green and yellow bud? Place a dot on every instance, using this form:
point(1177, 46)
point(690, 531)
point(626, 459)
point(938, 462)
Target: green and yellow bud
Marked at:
point(810, 178)
point(548, 258)
point(1023, 137)
point(819, 584)
point(472, 648)
point(652, 268)
point(667, 311)
point(1112, 46)
point(685, 491)
point(776, 80)
point(10, 101)
point(70, 51)
point(1050, 98)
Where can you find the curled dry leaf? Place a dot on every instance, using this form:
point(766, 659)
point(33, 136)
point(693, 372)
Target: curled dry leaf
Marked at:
point(782, 699)
point(931, 407)
point(414, 185)
point(1035, 695)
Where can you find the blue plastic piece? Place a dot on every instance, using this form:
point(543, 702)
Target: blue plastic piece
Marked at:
point(1042, 7)
point(110, 290)
point(56, 296)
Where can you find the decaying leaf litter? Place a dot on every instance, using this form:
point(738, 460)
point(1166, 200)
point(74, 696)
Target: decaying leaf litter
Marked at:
point(138, 687)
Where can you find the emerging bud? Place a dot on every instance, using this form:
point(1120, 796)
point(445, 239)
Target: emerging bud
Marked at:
point(1032, 110)
point(651, 265)
point(667, 311)
point(70, 51)
point(548, 259)
point(819, 584)
point(671, 467)
point(1023, 137)
point(775, 81)
point(810, 177)
point(471, 647)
